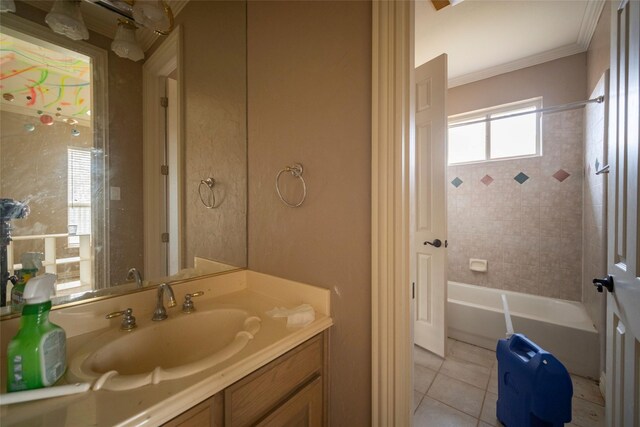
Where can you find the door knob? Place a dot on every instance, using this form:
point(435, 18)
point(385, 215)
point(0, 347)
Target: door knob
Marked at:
point(607, 282)
point(436, 243)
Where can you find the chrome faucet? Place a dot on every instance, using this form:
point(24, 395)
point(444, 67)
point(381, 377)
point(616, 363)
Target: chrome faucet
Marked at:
point(135, 274)
point(160, 313)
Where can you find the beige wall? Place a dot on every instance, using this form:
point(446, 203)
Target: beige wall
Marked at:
point(124, 154)
point(530, 233)
point(599, 49)
point(215, 132)
point(558, 82)
point(309, 75)
point(126, 240)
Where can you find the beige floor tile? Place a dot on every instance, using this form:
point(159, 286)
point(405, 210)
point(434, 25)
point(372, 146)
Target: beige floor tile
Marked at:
point(417, 398)
point(468, 372)
point(457, 394)
point(450, 343)
point(483, 424)
point(488, 413)
point(427, 359)
point(432, 413)
point(493, 380)
point(587, 414)
point(422, 378)
point(587, 389)
point(474, 354)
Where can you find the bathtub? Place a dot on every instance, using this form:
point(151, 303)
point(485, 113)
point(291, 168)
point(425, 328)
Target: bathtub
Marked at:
point(475, 315)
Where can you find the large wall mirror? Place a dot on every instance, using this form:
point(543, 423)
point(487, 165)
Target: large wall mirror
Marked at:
point(123, 164)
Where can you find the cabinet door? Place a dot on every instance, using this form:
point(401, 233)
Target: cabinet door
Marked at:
point(303, 409)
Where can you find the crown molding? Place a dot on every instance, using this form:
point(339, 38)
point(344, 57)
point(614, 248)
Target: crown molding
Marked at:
point(589, 22)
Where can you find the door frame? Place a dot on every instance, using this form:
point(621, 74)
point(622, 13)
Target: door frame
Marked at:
point(391, 133)
point(163, 62)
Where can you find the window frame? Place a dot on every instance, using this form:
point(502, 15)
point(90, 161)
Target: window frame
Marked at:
point(486, 113)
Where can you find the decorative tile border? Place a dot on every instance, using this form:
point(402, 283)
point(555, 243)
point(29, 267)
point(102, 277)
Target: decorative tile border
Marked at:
point(561, 175)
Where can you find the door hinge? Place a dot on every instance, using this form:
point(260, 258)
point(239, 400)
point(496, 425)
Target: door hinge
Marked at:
point(413, 290)
point(164, 169)
point(164, 237)
point(164, 101)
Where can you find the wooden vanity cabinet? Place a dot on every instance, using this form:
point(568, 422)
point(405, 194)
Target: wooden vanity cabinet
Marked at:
point(290, 391)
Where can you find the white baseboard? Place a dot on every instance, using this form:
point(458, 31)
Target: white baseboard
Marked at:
point(603, 384)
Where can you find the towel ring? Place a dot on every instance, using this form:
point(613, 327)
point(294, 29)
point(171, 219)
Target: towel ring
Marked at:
point(209, 182)
point(295, 171)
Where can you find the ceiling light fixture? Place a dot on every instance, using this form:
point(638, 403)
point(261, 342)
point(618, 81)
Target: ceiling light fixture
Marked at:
point(7, 6)
point(65, 18)
point(124, 43)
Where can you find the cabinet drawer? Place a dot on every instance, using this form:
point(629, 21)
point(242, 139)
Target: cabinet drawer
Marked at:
point(251, 398)
point(304, 409)
point(207, 413)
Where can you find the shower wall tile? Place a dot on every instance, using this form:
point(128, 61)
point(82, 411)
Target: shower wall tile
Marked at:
point(530, 232)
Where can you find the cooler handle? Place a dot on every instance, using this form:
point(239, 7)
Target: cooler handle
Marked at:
point(523, 347)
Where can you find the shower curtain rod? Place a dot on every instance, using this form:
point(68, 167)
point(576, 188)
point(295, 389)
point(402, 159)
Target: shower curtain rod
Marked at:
point(556, 108)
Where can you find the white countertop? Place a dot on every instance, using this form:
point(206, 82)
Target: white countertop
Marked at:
point(156, 404)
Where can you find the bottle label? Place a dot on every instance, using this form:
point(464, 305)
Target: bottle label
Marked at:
point(16, 296)
point(16, 378)
point(53, 356)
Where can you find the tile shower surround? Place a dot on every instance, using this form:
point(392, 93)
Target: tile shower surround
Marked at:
point(529, 229)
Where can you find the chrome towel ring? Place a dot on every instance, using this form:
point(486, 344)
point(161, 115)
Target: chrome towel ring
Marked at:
point(211, 199)
point(296, 171)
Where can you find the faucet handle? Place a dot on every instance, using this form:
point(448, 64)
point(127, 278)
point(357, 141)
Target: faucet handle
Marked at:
point(128, 319)
point(187, 305)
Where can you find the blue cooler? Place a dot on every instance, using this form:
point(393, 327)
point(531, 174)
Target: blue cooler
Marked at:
point(534, 388)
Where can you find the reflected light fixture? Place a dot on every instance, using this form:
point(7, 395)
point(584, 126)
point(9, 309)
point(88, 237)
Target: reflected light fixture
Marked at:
point(153, 14)
point(65, 18)
point(7, 6)
point(124, 43)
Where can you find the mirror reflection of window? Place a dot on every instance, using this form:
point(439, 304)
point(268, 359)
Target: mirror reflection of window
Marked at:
point(79, 194)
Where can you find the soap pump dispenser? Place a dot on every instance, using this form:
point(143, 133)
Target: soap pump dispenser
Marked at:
point(37, 354)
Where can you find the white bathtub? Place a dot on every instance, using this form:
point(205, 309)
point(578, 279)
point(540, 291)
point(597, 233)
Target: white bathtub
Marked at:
point(563, 328)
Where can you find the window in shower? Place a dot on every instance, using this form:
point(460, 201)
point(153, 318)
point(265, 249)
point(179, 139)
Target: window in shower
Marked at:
point(502, 132)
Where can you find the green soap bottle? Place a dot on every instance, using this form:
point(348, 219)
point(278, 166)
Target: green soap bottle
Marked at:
point(37, 355)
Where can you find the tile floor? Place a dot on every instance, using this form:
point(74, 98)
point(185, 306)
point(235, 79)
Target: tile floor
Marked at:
point(461, 390)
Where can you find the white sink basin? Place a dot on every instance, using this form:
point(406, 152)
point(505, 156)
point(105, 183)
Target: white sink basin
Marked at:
point(181, 345)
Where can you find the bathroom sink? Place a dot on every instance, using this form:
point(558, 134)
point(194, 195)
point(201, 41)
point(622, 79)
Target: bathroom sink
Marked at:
point(182, 345)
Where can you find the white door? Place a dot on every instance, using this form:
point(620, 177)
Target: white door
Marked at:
point(428, 206)
point(623, 304)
